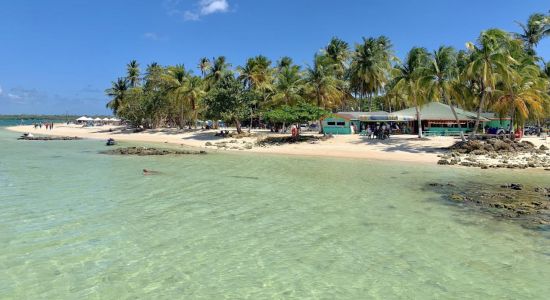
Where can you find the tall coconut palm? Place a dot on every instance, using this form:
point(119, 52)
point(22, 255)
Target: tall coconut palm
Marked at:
point(524, 96)
point(133, 73)
point(489, 59)
point(288, 86)
point(257, 76)
point(176, 79)
point(409, 81)
point(338, 52)
point(204, 66)
point(285, 61)
point(537, 27)
point(117, 92)
point(322, 83)
point(442, 72)
point(219, 68)
point(371, 66)
point(194, 91)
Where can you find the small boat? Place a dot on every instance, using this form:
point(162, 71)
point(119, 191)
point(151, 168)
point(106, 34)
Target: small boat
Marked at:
point(111, 142)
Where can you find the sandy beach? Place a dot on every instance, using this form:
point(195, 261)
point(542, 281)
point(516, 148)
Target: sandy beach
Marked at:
point(406, 148)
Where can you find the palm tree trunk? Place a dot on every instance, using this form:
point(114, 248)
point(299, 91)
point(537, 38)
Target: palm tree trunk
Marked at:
point(370, 101)
point(455, 115)
point(182, 125)
point(418, 120)
point(512, 119)
point(478, 117)
point(238, 125)
point(193, 104)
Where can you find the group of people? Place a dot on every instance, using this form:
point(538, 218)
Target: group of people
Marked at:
point(47, 125)
point(380, 132)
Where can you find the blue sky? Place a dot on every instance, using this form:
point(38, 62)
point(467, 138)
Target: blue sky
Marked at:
point(59, 56)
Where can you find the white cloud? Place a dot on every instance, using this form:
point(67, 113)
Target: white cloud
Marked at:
point(213, 6)
point(14, 96)
point(190, 16)
point(151, 36)
point(204, 8)
point(1, 90)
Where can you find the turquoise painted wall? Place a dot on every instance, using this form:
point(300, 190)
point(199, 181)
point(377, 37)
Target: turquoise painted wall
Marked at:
point(336, 126)
point(498, 124)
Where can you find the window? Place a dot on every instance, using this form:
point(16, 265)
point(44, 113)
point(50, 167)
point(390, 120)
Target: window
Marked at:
point(331, 123)
point(341, 123)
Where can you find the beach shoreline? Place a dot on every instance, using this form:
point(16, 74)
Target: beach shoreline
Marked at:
point(400, 148)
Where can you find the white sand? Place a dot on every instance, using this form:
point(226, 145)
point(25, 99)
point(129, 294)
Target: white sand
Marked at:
point(399, 148)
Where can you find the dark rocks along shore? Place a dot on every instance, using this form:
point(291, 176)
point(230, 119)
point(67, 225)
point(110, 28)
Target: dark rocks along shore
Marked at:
point(527, 205)
point(146, 151)
point(497, 153)
point(49, 138)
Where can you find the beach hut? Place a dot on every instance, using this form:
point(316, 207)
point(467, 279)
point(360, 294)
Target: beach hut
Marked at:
point(438, 119)
point(343, 122)
point(496, 124)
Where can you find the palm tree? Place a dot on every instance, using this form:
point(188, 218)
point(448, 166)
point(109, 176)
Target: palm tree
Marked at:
point(218, 69)
point(204, 66)
point(537, 27)
point(371, 66)
point(117, 92)
point(288, 85)
point(442, 73)
point(338, 52)
point(176, 79)
point(524, 96)
point(133, 73)
point(194, 91)
point(322, 82)
point(257, 76)
point(546, 69)
point(489, 59)
point(408, 80)
point(285, 61)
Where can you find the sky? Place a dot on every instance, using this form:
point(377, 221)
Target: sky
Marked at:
point(59, 56)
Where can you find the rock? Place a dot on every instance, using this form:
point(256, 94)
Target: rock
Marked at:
point(484, 166)
point(208, 144)
point(144, 151)
point(457, 197)
point(443, 162)
point(543, 147)
point(49, 138)
point(479, 152)
point(513, 186)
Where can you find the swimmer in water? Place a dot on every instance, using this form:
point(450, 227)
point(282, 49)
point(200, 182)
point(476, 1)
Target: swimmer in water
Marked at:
point(150, 172)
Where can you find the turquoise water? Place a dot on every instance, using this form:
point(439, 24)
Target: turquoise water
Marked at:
point(75, 224)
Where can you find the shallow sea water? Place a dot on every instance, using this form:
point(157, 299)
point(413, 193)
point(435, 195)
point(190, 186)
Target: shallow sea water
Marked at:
point(75, 224)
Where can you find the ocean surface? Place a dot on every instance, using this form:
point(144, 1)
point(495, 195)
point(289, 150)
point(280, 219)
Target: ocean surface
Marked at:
point(76, 224)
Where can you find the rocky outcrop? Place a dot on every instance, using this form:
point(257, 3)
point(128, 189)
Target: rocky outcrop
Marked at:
point(49, 138)
point(497, 153)
point(144, 151)
point(527, 205)
point(277, 141)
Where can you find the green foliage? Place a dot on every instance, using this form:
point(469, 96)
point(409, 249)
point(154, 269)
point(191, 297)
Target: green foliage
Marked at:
point(229, 100)
point(300, 113)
